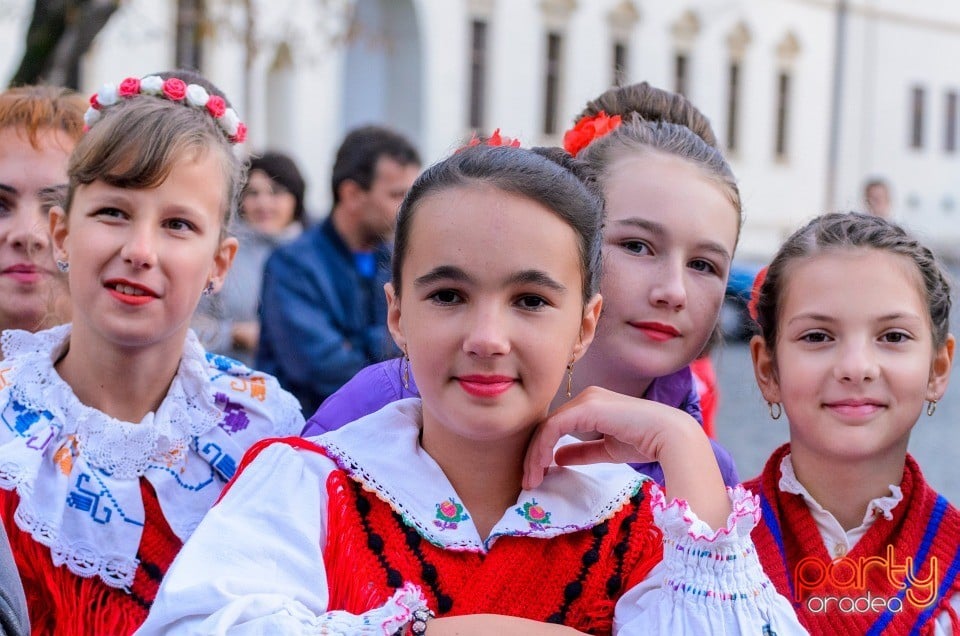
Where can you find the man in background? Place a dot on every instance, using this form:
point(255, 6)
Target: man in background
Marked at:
point(322, 305)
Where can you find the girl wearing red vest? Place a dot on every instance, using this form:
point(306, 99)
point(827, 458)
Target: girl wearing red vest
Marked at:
point(118, 431)
point(446, 513)
point(854, 316)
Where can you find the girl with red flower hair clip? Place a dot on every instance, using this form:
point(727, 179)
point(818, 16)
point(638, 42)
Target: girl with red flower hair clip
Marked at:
point(120, 430)
point(672, 220)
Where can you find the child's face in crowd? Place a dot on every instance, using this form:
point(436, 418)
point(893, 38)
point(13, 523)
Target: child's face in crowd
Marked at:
point(139, 259)
point(28, 280)
point(491, 312)
point(669, 236)
point(855, 358)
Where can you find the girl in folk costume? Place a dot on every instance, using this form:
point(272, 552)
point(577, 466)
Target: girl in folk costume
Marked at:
point(449, 504)
point(39, 126)
point(119, 431)
point(672, 221)
point(854, 315)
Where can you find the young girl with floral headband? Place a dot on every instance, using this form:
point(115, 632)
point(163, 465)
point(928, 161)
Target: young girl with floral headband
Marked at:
point(672, 218)
point(493, 294)
point(854, 348)
point(119, 432)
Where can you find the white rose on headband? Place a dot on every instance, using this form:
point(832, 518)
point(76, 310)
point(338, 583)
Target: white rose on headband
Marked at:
point(230, 121)
point(91, 117)
point(151, 85)
point(197, 96)
point(107, 95)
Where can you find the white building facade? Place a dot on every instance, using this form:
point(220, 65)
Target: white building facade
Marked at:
point(802, 136)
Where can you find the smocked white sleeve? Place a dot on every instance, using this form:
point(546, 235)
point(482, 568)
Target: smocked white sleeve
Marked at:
point(708, 582)
point(254, 565)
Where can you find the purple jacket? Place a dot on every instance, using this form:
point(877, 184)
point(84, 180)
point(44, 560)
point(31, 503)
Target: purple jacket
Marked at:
point(379, 384)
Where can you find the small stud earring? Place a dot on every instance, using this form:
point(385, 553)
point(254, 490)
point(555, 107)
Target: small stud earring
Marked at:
point(208, 290)
point(775, 410)
point(931, 408)
point(63, 266)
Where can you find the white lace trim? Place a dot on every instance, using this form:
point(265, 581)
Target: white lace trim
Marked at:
point(81, 558)
point(122, 449)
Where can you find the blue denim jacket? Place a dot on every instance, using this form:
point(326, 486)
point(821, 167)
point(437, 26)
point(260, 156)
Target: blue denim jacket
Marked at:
point(321, 320)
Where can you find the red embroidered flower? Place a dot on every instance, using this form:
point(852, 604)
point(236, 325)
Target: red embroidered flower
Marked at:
point(753, 305)
point(241, 135)
point(174, 88)
point(588, 129)
point(129, 87)
point(93, 101)
point(216, 106)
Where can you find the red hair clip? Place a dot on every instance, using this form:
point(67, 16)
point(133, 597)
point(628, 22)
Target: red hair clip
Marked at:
point(753, 305)
point(588, 129)
point(496, 139)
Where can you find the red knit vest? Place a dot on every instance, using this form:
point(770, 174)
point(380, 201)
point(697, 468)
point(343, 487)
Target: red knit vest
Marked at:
point(924, 528)
point(573, 579)
point(64, 604)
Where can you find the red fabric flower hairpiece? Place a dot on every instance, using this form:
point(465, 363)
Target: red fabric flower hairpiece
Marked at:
point(496, 139)
point(588, 129)
point(753, 305)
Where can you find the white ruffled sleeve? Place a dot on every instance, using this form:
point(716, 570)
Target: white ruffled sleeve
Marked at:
point(708, 582)
point(255, 566)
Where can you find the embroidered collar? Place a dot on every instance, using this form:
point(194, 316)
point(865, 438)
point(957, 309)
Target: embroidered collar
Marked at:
point(77, 470)
point(382, 452)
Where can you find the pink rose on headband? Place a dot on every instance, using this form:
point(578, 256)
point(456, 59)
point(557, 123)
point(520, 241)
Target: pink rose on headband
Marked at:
point(175, 89)
point(129, 87)
point(588, 129)
point(94, 102)
point(241, 135)
point(216, 106)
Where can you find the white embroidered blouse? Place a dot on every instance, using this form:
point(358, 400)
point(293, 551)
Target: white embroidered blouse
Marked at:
point(77, 470)
point(255, 564)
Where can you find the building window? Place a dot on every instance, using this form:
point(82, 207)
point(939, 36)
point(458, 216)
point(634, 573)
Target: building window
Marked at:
point(783, 113)
point(551, 94)
point(619, 63)
point(733, 105)
point(916, 124)
point(189, 43)
point(478, 73)
point(950, 128)
point(680, 71)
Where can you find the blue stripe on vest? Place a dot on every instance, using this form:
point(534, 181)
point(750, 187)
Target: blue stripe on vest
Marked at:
point(939, 509)
point(770, 518)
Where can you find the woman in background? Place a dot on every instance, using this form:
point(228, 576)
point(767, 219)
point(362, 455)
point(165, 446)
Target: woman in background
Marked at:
point(271, 213)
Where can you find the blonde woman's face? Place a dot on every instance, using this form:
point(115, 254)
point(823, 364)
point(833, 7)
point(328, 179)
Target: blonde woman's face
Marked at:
point(29, 284)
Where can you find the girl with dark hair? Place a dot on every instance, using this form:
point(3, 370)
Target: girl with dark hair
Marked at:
point(446, 513)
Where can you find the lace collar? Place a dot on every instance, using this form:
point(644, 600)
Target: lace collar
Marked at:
point(122, 449)
point(77, 470)
point(382, 451)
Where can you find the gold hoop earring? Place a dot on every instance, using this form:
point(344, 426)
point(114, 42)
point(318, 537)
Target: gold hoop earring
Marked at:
point(775, 410)
point(405, 363)
point(570, 379)
point(931, 408)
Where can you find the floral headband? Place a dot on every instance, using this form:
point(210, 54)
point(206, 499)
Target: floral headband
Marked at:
point(496, 139)
point(588, 129)
point(174, 89)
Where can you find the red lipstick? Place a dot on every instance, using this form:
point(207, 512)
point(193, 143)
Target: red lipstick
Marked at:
point(656, 331)
point(485, 386)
